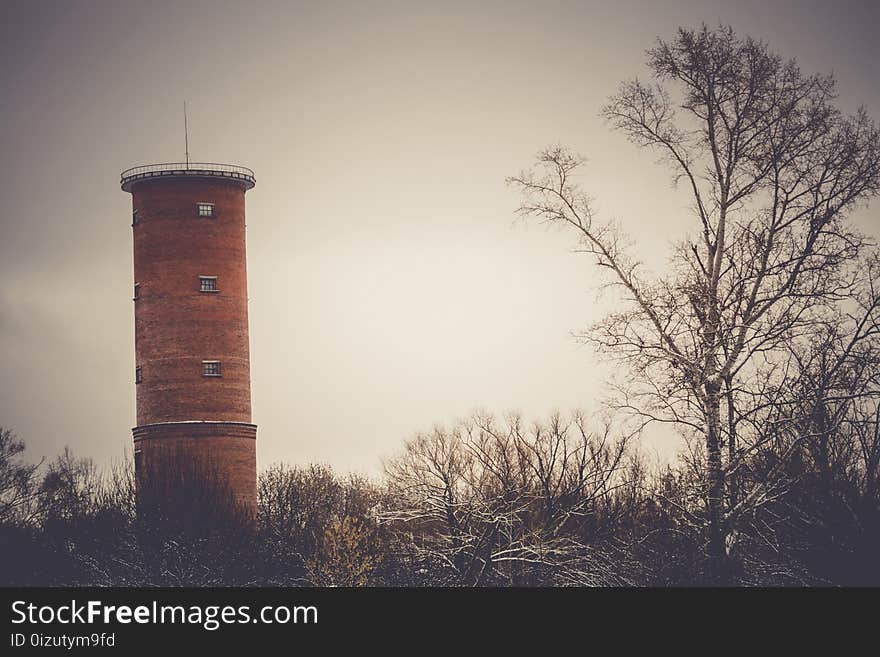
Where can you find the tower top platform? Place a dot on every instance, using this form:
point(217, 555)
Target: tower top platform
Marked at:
point(234, 173)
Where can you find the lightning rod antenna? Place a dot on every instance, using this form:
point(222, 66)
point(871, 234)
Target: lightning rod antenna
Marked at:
point(186, 134)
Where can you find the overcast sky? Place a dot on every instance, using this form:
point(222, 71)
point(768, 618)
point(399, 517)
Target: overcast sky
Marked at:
point(390, 288)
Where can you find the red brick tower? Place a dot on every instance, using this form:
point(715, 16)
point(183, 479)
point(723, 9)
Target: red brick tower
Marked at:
point(191, 321)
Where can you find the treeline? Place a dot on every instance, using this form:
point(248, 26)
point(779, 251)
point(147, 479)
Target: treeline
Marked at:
point(486, 502)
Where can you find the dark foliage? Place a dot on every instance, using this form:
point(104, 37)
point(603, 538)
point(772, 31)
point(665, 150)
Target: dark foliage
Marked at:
point(483, 503)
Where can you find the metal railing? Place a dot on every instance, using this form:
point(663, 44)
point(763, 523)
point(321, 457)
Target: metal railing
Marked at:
point(188, 169)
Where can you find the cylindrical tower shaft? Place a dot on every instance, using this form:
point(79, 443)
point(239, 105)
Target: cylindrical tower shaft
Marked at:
point(191, 325)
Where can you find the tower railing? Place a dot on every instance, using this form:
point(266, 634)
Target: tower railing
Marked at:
point(211, 169)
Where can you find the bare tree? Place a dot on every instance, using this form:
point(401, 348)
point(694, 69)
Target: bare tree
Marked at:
point(829, 410)
point(773, 169)
point(17, 480)
point(489, 502)
point(319, 528)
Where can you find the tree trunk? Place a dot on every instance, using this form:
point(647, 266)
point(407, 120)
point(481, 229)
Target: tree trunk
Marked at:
point(717, 554)
point(732, 483)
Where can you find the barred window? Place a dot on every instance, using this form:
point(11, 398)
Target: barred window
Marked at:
point(134, 217)
point(206, 209)
point(208, 284)
point(210, 368)
point(138, 375)
point(137, 291)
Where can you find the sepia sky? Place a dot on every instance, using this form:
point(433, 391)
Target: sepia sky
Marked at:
point(390, 287)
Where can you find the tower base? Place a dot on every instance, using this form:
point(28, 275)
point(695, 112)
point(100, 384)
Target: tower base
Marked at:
point(215, 460)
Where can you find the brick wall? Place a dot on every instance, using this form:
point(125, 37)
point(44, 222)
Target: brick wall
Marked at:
point(225, 449)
